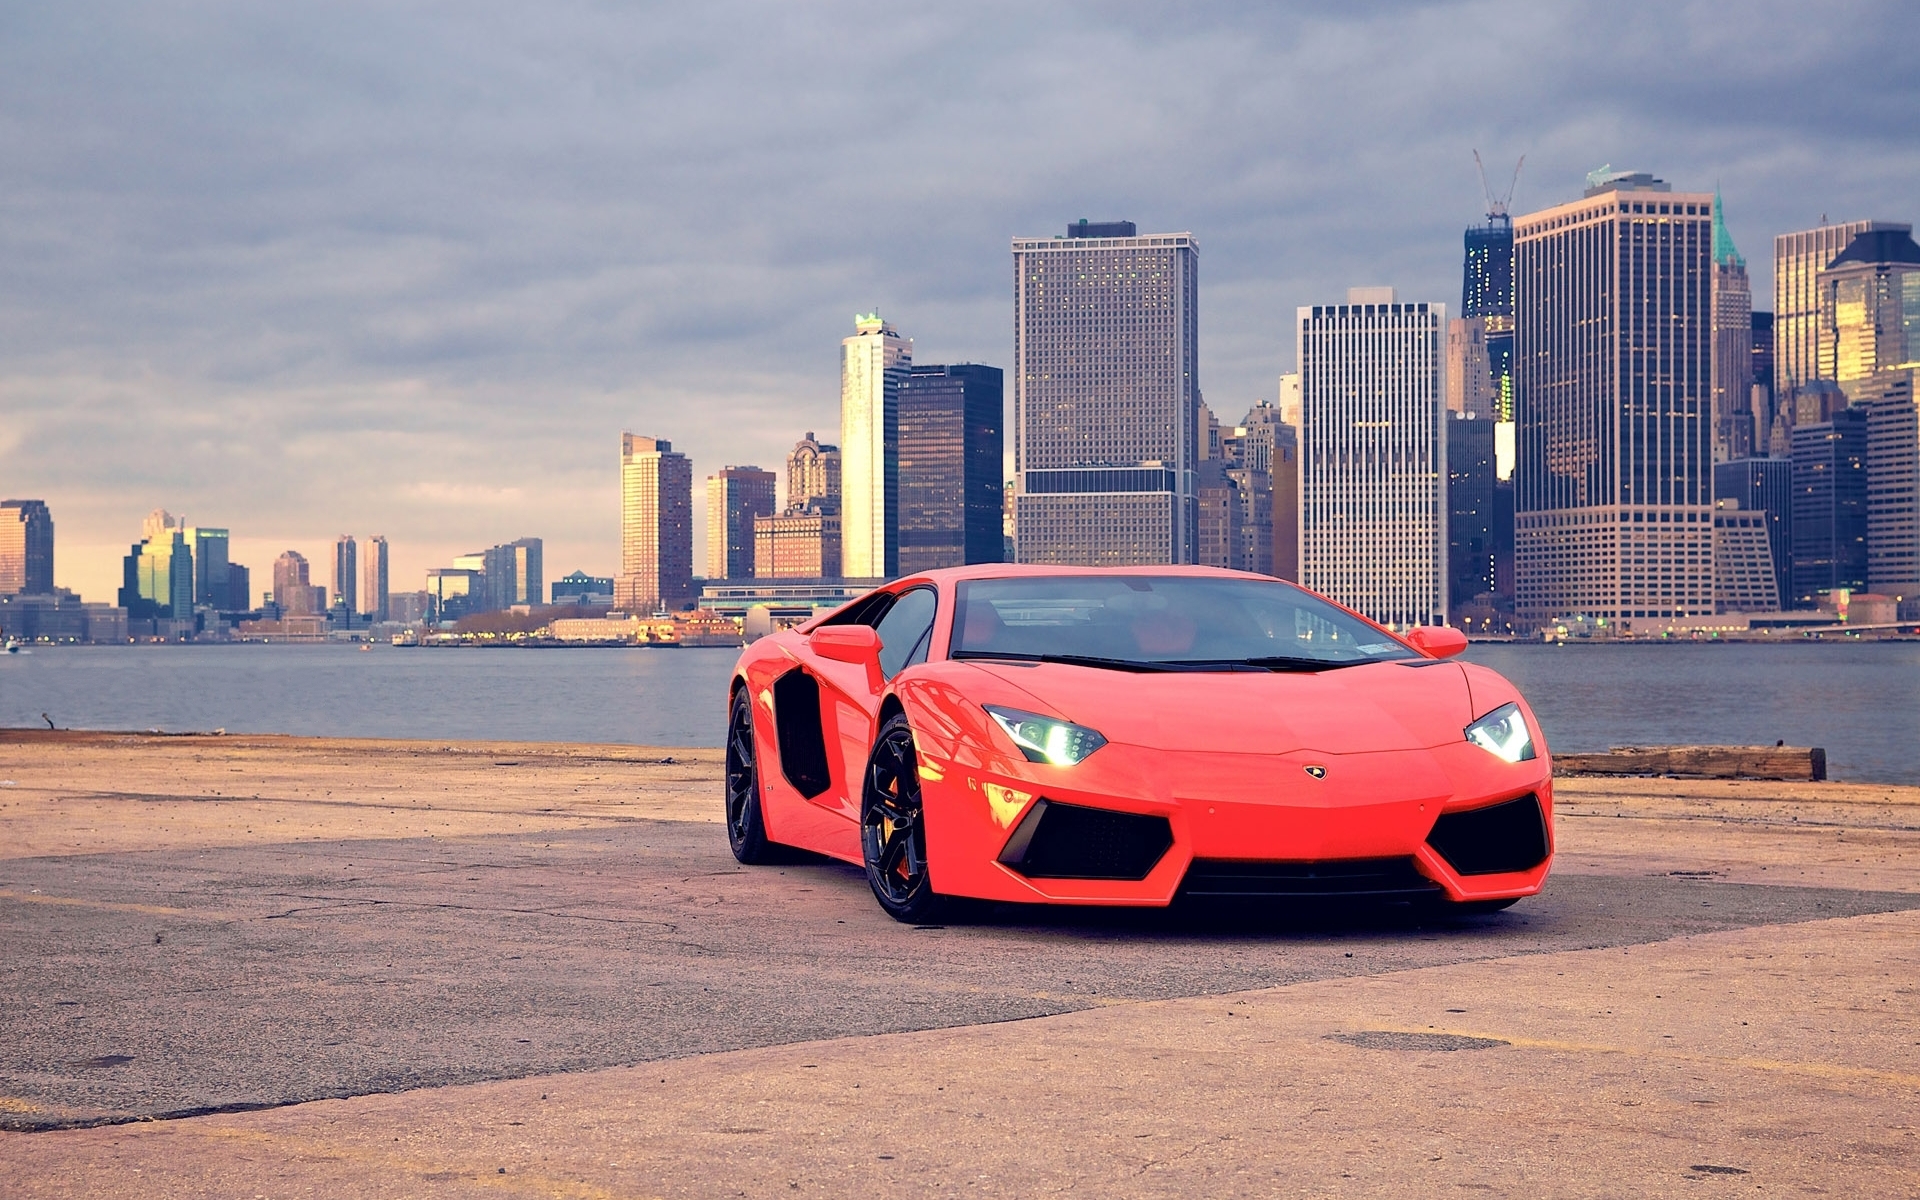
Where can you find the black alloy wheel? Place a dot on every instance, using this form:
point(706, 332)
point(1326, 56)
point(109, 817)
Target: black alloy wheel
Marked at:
point(746, 830)
point(893, 832)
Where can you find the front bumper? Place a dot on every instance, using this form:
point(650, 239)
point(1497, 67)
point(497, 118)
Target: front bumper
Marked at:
point(1238, 816)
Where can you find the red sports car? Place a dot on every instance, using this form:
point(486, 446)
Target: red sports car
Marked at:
point(1130, 735)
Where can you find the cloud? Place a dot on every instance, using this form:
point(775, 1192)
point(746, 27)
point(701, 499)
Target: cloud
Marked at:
point(292, 268)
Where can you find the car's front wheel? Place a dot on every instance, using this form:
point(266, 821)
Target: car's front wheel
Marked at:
point(893, 831)
point(746, 827)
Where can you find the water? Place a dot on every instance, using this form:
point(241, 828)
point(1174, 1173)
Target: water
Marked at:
point(1861, 701)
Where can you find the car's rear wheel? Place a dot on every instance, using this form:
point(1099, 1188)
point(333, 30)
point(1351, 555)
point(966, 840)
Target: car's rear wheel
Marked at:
point(893, 831)
point(746, 827)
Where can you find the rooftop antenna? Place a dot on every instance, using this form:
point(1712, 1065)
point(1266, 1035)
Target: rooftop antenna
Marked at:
point(1497, 206)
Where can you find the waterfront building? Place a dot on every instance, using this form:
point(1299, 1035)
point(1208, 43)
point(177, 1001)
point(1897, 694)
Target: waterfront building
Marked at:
point(292, 590)
point(1743, 578)
point(582, 588)
point(58, 615)
point(656, 526)
point(735, 497)
point(409, 608)
point(1764, 485)
point(26, 548)
point(1614, 516)
point(455, 592)
point(802, 544)
point(513, 573)
point(1373, 469)
point(1829, 508)
point(373, 580)
point(950, 447)
point(1470, 484)
point(239, 589)
point(346, 573)
point(1798, 259)
point(1106, 392)
point(1733, 423)
point(813, 476)
point(874, 364)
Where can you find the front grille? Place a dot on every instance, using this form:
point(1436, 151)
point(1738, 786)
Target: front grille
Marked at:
point(1354, 877)
point(1071, 841)
point(1511, 836)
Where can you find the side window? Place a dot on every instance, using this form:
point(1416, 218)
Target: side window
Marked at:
point(904, 631)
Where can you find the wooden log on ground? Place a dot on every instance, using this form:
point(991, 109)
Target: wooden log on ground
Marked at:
point(1701, 762)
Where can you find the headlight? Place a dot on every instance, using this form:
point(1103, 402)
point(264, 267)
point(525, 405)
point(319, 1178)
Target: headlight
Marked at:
point(1044, 739)
point(1503, 733)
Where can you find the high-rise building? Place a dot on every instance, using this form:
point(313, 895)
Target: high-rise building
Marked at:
point(1373, 508)
point(1487, 290)
point(455, 592)
point(874, 363)
point(735, 496)
point(1469, 370)
point(1470, 483)
point(1217, 527)
point(26, 548)
point(239, 589)
point(157, 575)
point(346, 572)
point(211, 569)
point(1798, 259)
point(950, 466)
point(292, 591)
point(1106, 389)
point(1743, 579)
point(813, 476)
point(1289, 404)
point(1733, 425)
point(656, 526)
point(373, 580)
point(1764, 408)
point(512, 572)
point(1829, 507)
point(1266, 441)
point(797, 544)
point(1764, 485)
point(1614, 514)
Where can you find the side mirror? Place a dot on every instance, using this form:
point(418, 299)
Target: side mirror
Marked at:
point(856, 644)
point(1441, 641)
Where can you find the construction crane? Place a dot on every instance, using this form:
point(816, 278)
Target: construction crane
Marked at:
point(1497, 205)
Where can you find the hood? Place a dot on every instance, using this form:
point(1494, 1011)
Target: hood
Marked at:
point(1411, 705)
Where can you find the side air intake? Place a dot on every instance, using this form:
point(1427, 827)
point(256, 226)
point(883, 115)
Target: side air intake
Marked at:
point(1511, 836)
point(1070, 841)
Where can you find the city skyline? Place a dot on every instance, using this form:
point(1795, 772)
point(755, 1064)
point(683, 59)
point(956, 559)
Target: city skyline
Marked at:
point(291, 303)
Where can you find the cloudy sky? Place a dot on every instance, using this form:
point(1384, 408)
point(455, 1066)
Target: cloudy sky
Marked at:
point(304, 270)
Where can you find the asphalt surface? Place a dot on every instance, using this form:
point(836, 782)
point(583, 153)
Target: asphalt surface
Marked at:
point(170, 983)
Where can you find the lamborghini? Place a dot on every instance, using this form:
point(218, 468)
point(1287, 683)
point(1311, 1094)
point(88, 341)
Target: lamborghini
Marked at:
point(1132, 736)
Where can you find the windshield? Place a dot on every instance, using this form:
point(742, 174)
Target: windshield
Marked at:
point(1166, 622)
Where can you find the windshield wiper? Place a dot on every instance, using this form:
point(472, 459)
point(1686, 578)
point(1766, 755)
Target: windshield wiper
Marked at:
point(1075, 660)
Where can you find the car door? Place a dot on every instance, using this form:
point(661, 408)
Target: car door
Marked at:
point(850, 707)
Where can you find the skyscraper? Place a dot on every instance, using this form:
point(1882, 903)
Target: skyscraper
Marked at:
point(1106, 388)
point(157, 575)
point(1829, 507)
point(813, 476)
point(1764, 485)
point(874, 363)
point(735, 496)
point(211, 570)
point(797, 544)
point(1734, 433)
point(656, 526)
point(1764, 408)
point(346, 573)
point(1613, 353)
point(1470, 483)
point(950, 456)
point(1798, 259)
point(1373, 472)
point(374, 596)
point(26, 548)
point(512, 572)
point(292, 592)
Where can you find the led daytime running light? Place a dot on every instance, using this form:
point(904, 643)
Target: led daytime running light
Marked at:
point(1045, 739)
point(1503, 733)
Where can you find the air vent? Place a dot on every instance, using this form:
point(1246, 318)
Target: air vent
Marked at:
point(1356, 877)
point(1071, 841)
point(796, 723)
point(1511, 836)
